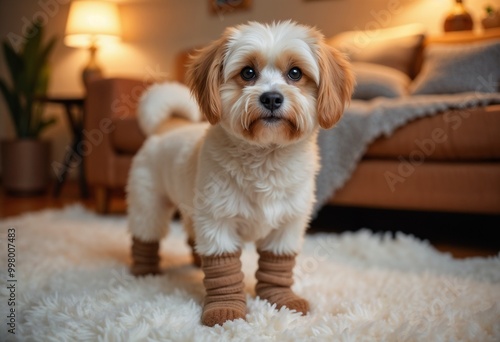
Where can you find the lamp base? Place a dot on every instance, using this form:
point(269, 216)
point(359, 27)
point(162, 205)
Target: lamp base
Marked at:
point(458, 19)
point(92, 71)
point(90, 74)
point(461, 22)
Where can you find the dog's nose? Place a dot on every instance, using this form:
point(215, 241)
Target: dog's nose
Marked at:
point(271, 100)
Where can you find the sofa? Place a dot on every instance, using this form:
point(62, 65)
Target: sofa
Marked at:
point(459, 174)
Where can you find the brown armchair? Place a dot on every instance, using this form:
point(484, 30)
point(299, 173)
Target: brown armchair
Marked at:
point(112, 134)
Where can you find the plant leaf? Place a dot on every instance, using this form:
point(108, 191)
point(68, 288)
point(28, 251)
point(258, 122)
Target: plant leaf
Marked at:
point(14, 105)
point(36, 118)
point(47, 49)
point(15, 63)
point(44, 124)
point(43, 69)
point(30, 76)
point(31, 55)
point(43, 81)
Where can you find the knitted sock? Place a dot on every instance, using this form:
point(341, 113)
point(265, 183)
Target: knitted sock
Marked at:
point(225, 299)
point(274, 279)
point(196, 256)
point(145, 257)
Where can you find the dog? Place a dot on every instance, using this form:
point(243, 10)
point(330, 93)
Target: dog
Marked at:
point(248, 174)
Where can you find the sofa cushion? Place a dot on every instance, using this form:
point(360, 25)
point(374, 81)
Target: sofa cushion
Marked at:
point(396, 47)
point(468, 134)
point(457, 68)
point(127, 137)
point(374, 80)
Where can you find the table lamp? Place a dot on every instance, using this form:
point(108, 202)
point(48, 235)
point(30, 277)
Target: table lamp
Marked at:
point(92, 24)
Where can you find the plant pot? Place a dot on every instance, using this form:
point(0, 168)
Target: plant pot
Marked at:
point(491, 20)
point(25, 166)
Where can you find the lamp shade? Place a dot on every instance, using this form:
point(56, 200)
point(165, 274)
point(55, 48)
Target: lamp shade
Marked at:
point(92, 23)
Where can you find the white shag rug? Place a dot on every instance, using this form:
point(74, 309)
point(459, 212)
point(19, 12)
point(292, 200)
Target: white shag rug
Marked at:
point(73, 284)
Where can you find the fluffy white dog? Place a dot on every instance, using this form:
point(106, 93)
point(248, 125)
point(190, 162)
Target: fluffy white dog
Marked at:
point(248, 174)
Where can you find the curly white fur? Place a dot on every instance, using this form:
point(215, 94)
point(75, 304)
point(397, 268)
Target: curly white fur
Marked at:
point(161, 101)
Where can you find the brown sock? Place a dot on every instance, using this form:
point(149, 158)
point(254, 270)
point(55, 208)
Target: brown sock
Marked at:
point(225, 299)
point(196, 256)
point(145, 257)
point(274, 279)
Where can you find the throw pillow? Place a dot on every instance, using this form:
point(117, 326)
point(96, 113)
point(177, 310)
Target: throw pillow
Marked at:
point(457, 68)
point(396, 47)
point(373, 80)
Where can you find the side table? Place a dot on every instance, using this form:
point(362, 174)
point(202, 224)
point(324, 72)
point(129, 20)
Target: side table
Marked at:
point(74, 110)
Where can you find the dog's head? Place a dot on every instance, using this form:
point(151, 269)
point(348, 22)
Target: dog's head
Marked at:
point(271, 84)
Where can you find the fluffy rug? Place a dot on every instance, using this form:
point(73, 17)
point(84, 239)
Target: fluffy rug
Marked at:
point(73, 284)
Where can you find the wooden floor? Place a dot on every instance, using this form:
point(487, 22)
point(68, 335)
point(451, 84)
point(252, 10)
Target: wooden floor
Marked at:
point(70, 194)
point(11, 205)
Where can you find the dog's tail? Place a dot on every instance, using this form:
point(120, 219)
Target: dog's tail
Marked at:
point(162, 101)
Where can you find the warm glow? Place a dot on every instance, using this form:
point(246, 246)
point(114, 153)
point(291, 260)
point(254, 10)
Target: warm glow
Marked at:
point(92, 22)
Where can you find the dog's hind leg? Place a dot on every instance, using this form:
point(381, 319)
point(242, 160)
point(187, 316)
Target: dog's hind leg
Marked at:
point(149, 213)
point(188, 226)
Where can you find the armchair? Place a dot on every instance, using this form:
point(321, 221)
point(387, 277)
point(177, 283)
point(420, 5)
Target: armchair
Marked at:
point(112, 134)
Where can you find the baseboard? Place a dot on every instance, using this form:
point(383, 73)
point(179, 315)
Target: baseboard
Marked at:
point(472, 230)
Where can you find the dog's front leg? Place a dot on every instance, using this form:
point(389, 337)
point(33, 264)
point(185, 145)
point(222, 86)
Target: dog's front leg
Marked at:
point(225, 299)
point(220, 253)
point(275, 273)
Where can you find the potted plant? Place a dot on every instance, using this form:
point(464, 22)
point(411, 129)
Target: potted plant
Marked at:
point(25, 159)
point(491, 18)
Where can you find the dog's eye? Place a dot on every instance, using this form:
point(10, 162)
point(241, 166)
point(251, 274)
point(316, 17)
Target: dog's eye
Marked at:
point(248, 73)
point(295, 74)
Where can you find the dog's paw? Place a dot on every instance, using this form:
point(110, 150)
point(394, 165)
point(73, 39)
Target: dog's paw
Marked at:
point(298, 304)
point(217, 315)
point(284, 297)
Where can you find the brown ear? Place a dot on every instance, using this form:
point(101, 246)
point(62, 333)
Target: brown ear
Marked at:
point(204, 77)
point(336, 85)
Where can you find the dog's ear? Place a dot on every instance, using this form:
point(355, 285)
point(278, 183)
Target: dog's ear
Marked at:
point(204, 77)
point(336, 85)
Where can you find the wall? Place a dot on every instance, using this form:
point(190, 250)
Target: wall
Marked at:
point(156, 31)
